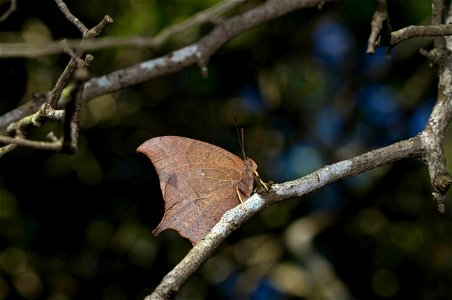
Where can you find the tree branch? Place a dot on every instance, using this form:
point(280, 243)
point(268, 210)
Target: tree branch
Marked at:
point(419, 31)
point(433, 138)
point(23, 110)
point(71, 18)
point(12, 7)
point(438, 9)
point(208, 15)
point(380, 27)
point(434, 134)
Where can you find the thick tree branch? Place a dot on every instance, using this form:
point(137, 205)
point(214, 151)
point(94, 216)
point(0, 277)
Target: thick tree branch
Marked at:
point(433, 138)
point(29, 143)
point(235, 217)
point(55, 94)
point(23, 110)
point(434, 133)
point(71, 120)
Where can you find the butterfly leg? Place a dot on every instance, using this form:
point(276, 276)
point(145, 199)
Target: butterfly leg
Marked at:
point(241, 201)
point(260, 180)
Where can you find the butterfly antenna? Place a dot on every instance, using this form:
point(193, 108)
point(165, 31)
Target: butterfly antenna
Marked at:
point(243, 143)
point(240, 136)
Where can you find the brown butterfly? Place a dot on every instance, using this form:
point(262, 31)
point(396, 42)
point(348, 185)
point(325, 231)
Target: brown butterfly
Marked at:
point(199, 183)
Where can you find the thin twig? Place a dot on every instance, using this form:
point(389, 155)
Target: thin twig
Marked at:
point(55, 94)
point(96, 30)
point(6, 149)
point(24, 110)
point(62, 81)
point(207, 15)
point(73, 19)
point(71, 53)
point(438, 9)
point(12, 7)
point(71, 122)
point(55, 146)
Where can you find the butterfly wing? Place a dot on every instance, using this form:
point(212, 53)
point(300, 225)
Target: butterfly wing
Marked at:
point(199, 183)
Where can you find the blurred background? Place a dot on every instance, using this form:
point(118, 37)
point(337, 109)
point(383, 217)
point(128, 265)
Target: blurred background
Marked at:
point(79, 226)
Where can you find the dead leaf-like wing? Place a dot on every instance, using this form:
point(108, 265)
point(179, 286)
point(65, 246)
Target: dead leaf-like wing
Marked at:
point(198, 181)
